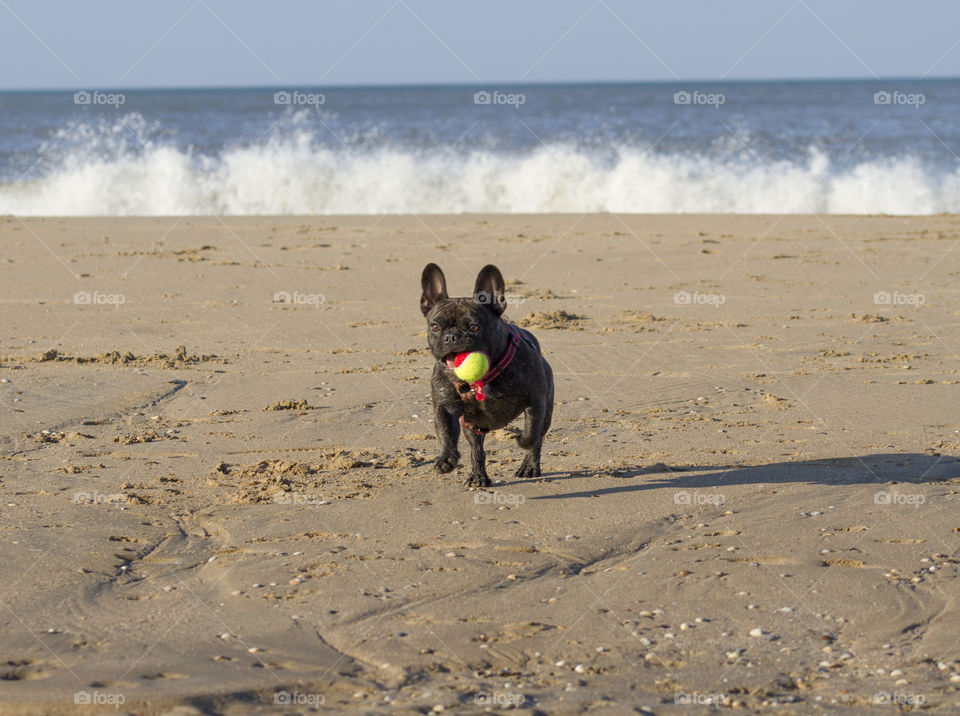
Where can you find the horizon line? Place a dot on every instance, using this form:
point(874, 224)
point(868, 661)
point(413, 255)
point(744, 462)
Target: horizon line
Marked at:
point(480, 84)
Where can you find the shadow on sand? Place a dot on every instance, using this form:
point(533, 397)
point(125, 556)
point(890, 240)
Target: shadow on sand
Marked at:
point(874, 469)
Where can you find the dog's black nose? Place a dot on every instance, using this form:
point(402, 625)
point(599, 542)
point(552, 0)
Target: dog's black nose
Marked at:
point(451, 337)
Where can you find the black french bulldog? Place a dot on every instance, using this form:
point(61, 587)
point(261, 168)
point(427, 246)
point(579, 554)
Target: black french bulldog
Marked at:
point(519, 379)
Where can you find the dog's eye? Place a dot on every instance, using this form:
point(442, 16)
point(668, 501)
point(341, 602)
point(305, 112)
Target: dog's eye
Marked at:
point(434, 327)
point(474, 328)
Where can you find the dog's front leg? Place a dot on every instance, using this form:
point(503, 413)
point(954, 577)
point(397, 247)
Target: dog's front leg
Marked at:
point(478, 460)
point(447, 427)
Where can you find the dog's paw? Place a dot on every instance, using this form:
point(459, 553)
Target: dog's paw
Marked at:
point(447, 462)
point(478, 480)
point(528, 468)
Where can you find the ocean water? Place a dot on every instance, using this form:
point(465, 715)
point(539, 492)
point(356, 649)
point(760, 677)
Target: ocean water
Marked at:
point(782, 147)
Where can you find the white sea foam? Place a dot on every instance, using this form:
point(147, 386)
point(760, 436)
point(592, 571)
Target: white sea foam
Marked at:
point(84, 172)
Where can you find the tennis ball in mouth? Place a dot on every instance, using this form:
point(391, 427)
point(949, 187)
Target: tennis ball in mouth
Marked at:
point(471, 367)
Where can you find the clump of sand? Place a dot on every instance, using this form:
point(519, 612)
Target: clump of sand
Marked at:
point(147, 436)
point(868, 318)
point(289, 405)
point(179, 359)
point(775, 401)
point(551, 319)
point(273, 480)
point(638, 321)
point(640, 317)
point(334, 474)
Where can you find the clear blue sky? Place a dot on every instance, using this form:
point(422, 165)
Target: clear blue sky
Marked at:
point(288, 43)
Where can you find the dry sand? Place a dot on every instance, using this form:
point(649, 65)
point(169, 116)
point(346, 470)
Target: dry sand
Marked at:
point(213, 495)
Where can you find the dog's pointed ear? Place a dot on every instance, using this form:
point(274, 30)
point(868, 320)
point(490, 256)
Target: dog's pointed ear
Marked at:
point(489, 289)
point(434, 287)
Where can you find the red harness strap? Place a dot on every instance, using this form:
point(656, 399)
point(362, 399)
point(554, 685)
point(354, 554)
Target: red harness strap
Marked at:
point(512, 342)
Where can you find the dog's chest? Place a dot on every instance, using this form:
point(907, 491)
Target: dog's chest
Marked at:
point(493, 412)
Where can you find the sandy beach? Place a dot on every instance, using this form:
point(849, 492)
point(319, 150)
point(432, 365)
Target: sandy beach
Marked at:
point(218, 493)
